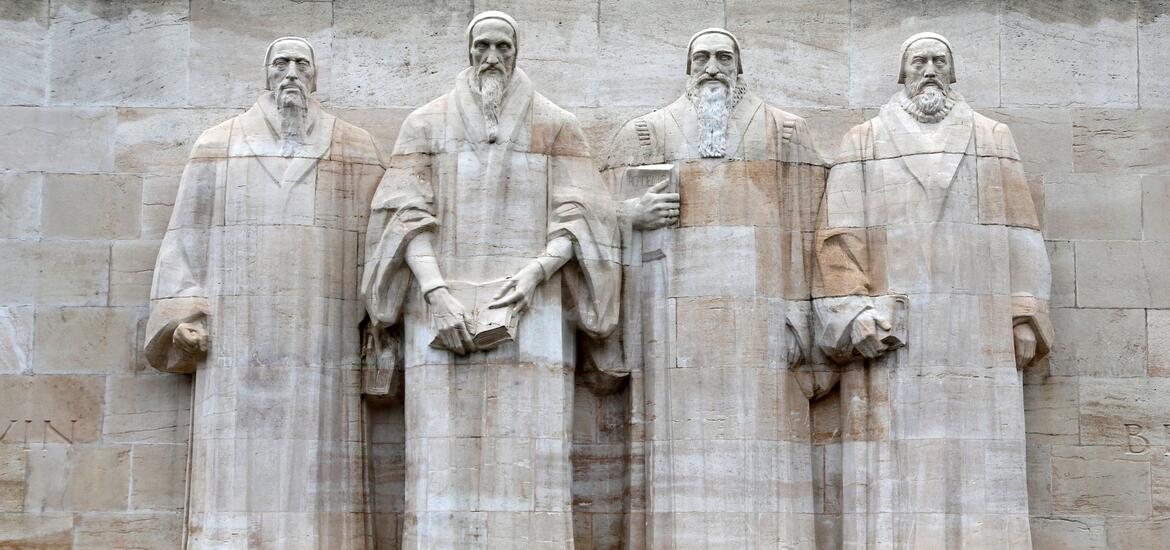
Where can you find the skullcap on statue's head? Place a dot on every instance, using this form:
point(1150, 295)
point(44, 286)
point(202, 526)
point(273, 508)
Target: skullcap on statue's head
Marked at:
point(492, 15)
point(923, 36)
point(268, 52)
point(715, 30)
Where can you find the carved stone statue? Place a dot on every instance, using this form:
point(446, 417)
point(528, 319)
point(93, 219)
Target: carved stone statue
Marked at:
point(928, 217)
point(255, 291)
point(490, 202)
point(722, 195)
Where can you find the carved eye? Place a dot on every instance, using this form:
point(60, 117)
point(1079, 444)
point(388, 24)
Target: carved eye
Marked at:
point(725, 57)
point(280, 63)
point(303, 64)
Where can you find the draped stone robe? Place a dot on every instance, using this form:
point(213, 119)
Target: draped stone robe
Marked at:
point(933, 434)
point(266, 250)
point(488, 434)
point(720, 438)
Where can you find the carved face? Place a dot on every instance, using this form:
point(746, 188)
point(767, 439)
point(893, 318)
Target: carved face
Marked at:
point(713, 60)
point(927, 64)
point(493, 47)
point(291, 73)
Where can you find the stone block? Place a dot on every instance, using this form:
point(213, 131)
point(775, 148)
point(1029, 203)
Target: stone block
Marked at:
point(122, 531)
point(1158, 342)
point(148, 408)
point(1062, 256)
point(20, 204)
point(627, 33)
point(878, 29)
point(16, 339)
point(36, 531)
point(1121, 141)
point(1069, 52)
point(1099, 342)
point(13, 464)
point(1043, 136)
point(158, 141)
point(1137, 533)
point(131, 271)
point(795, 48)
point(24, 24)
point(57, 139)
point(78, 479)
point(1050, 411)
point(157, 474)
point(1123, 274)
point(1099, 481)
point(1156, 208)
point(85, 340)
point(158, 200)
point(381, 123)
point(1086, 533)
point(18, 271)
point(124, 53)
point(1125, 413)
point(39, 410)
point(73, 273)
point(1154, 52)
point(91, 206)
point(227, 43)
point(1092, 206)
point(828, 125)
point(1039, 463)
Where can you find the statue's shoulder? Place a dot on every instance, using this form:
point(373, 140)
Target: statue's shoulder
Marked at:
point(638, 141)
point(993, 138)
point(421, 125)
point(213, 142)
point(857, 145)
point(352, 143)
point(793, 134)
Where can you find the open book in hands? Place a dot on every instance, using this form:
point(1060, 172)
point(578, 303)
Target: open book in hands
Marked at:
point(489, 327)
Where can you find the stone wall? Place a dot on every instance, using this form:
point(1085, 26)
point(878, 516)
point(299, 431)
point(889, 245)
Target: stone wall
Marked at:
point(100, 102)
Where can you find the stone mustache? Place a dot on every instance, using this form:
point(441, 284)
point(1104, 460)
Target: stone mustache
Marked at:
point(717, 269)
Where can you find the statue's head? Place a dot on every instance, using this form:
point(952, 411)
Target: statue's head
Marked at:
point(713, 59)
point(492, 42)
point(927, 72)
point(291, 70)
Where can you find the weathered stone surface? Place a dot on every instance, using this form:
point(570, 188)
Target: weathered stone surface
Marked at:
point(125, 53)
point(1043, 136)
point(1099, 342)
point(125, 531)
point(24, 25)
point(70, 273)
point(158, 200)
point(13, 464)
point(158, 141)
point(1092, 206)
point(157, 476)
point(1158, 342)
point(39, 531)
point(36, 410)
point(228, 38)
point(1156, 208)
point(1050, 411)
point(877, 28)
point(79, 478)
point(91, 206)
point(1153, 44)
point(85, 340)
point(131, 268)
point(20, 204)
point(1121, 141)
point(147, 408)
point(1064, 284)
point(1069, 52)
point(35, 137)
point(16, 339)
point(1100, 481)
point(1087, 533)
point(1122, 274)
point(1126, 414)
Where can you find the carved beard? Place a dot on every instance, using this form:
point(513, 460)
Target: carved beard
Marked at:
point(713, 102)
point(291, 109)
point(928, 103)
point(492, 83)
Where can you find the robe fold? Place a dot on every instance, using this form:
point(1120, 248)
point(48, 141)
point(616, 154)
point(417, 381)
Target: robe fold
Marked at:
point(933, 433)
point(265, 251)
point(488, 435)
point(720, 441)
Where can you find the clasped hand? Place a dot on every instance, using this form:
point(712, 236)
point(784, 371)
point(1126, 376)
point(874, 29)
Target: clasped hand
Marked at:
point(867, 332)
point(191, 338)
point(655, 209)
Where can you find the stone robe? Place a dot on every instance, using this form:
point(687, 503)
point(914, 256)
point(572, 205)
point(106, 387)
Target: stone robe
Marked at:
point(933, 433)
point(266, 250)
point(488, 434)
point(720, 450)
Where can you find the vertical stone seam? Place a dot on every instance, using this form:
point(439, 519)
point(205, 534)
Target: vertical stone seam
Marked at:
point(46, 76)
point(1137, 47)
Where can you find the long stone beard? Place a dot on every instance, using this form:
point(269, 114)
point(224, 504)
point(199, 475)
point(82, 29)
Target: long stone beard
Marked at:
point(929, 104)
point(492, 86)
point(713, 104)
point(291, 110)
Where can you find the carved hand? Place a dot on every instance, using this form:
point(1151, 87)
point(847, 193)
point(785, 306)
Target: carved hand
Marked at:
point(864, 331)
point(1025, 340)
point(190, 337)
point(448, 318)
point(519, 289)
point(655, 209)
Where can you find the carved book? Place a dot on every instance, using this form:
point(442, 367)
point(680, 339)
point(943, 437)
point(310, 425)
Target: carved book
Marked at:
point(637, 180)
point(489, 327)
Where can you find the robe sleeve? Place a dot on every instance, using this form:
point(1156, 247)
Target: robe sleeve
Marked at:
point(849, 255)
point(1031, 272)
point(581, 208)
point(403, 207)
point(179, 292)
